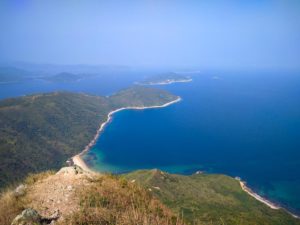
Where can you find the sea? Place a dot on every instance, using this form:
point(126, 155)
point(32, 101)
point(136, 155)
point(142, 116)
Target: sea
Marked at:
point(244, 124)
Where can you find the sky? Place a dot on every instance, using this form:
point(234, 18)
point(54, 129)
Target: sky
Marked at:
point(256, 34)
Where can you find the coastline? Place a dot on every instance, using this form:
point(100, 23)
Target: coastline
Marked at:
point(77, 159)
point(262, 199)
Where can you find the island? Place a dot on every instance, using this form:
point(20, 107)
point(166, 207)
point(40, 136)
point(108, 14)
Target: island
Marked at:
point(64, 77)
point(13, 75)
point(167, 78)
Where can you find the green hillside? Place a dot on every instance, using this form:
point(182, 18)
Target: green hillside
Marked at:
point(209, 199)
point(41, 132)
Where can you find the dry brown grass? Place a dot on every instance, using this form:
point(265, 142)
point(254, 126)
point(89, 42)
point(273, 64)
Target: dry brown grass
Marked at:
point(32, 178)
point(11, 205)
point(111, 200)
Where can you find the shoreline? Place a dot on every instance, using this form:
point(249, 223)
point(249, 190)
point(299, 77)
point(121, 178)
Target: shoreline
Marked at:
point(77, 159)
point(263, 200)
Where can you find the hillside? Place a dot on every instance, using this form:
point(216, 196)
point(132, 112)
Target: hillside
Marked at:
point(209, 199)
point(140, 96)
point(73, 196)
point(40, 132)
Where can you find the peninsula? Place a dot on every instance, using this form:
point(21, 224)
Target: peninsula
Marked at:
point(56, 126)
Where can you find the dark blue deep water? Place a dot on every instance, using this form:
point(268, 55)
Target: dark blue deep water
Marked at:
point(240, 124)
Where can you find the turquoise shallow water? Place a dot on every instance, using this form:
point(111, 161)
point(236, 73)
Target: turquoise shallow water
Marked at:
point(245, 125)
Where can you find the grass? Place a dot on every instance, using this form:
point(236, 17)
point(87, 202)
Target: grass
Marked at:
point(11, 205)
point(111, 201)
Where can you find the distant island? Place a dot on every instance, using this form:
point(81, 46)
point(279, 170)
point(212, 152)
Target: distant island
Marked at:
point(13, 75)
point(64, 77)
point(167, 78)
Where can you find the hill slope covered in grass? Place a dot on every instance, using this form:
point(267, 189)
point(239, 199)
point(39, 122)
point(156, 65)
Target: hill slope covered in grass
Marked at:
point(40, 132)
point(75, 196)
point(209, 199)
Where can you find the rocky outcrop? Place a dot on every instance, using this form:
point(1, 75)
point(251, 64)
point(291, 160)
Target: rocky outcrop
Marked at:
point(32, 217)
point(27, 217)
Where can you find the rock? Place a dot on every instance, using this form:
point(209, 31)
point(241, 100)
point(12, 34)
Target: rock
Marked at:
point(20, 190)
point(27, 217)
point(71, 170)
point(32, 217)
point(70, 188)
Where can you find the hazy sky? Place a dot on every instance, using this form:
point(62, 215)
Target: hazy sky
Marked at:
point(206, 34)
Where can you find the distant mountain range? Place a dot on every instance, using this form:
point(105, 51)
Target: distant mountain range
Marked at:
point(51, 69)
point(20, 71)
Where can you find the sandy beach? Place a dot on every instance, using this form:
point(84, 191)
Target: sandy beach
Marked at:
point(258, 197)
point(77, 160)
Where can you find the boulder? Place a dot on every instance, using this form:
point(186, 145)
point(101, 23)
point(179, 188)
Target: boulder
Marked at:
point(32, 217)
point(71, 170)
point(20, 190)
point(28, 217)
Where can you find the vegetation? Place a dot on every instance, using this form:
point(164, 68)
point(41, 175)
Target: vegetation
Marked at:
point(140, 96)
point(116, 201)
point(11, 204)
point(209, 199)
point(40, 132)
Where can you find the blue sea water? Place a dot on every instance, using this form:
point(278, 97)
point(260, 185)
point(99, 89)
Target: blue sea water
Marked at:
point(240, 124)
